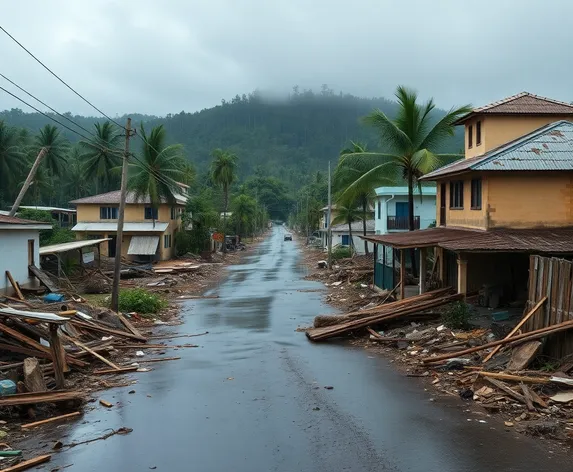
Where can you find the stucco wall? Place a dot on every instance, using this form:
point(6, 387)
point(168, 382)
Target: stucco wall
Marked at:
point(465, 217)
point(358, 243)
point(425, 208)
point(14, 256)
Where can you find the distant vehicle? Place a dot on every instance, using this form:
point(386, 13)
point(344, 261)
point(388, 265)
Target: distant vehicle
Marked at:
point(288, 237)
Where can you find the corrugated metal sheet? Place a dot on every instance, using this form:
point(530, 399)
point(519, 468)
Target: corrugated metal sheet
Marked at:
point(422, 237)
point(549, 148)
point(143, 245)
point(127, 227)
point(64, 247)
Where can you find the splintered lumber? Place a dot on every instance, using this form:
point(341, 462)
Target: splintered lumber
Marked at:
point(319, 334)
point(142, 346)
point(58, 356)
point(537, 399)
point(17, 300)
point(25, 465)
point(33, 375)
point(51, 420)
point(514, 378)
point(42, 277)
point(517, 328)
point(527, 396)
point(14, 285)
point(160, 359)
point(101, 329)
point(512, 393)
point(519, 339)
point(40, 397)
point(95, 354)
point(128, 325)
point(120, 370)
point(522, 355)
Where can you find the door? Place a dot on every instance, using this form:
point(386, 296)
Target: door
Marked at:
point(442, 204)
point(31, 247)
point(402, 215)
point(111, 246)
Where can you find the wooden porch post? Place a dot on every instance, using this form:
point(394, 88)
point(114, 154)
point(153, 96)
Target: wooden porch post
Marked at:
point(423, 269)
point(59, 359)
point(462, 274)
point(402, 274)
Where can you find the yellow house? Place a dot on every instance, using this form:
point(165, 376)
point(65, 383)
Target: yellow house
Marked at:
point(511, 196)
point(148, 233)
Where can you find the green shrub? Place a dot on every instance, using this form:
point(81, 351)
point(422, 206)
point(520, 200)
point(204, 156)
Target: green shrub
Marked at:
point(140, 301)
point(457, 316)
point(341, 253)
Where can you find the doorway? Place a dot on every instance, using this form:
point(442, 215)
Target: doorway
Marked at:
point(111, 246)
point(442, 204)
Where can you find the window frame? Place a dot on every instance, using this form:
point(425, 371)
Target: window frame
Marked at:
point(475, 192)
point(173, 213)
point(470, 136)
point(108, 213)
point(347, 236)
point(456, 195)
point(167, 241)
point(478, 133)
point(153, 212)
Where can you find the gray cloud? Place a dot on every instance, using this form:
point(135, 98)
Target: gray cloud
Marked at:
point(164, 57)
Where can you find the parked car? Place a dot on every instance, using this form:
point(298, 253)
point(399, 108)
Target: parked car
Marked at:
point(288, 237)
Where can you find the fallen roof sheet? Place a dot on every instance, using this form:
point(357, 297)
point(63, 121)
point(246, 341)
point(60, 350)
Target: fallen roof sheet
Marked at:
point(549, 148)
point(143, 245)
point(35, 315)
point(64, 247)
point(421, 238)
point(127, 227)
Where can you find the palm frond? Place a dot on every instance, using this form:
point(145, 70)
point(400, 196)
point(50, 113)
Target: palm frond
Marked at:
point(443, 128)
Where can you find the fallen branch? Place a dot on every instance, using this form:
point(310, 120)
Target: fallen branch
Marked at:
point(122, 430)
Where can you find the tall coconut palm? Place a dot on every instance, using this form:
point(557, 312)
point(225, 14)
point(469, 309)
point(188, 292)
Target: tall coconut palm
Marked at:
point(412, 140)
point(346, 173)
point(223, 174)
point(346, 212)
point(155, 173)
point(50, 147)
point(75, 184)
point(101, 154)
point(11, 155)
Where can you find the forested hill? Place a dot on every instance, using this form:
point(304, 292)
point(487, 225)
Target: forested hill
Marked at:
point(288, 139)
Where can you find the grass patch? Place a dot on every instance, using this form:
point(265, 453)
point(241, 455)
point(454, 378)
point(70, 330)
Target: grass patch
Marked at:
point(141, 301)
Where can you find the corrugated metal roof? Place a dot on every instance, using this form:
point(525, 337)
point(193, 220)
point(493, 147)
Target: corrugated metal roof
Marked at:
point(127, 227)
point(548, 148)
point(143, 245)
point(421, 237)
point(64, 247)
point(113, 197)
point(48, 208)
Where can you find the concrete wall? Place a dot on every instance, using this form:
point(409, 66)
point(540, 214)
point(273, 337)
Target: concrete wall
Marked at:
point(358, 243)
point(425, 208)
point(465, 217)
point(14, 256)
point(500, 129)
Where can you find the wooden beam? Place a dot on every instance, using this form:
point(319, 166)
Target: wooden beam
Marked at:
point(58, 356)
point(51, 420)
point(527, 396)
point(423, 269)
point(121, 370)
point(14, 285)
point(101, 329)
point(128, 325)
point(402, 274)
point(95, 354)
point(28, 464)
point(516, 329)
point(515, 378)
point(513, 394)
point(40, 397)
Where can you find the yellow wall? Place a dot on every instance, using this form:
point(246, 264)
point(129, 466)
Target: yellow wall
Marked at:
point(500, 129)
point(513, 200)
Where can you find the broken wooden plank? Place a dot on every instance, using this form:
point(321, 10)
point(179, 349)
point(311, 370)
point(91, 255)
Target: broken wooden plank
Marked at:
point(51, 420)
point(105, 403)
point(128, 325)
point(515, 378)
point(121, 370)
point(28, 464)
point(159, 359)
point(95, 354)
point(43, 277)
point(506, 389)
point(527, 396)
point(101, 329)
point(33, 375)
point(58, 356)
point(537, 399)
point(141, 346)
point(522, 355)
point(519, 325)
point(14, 285)
point(40, 397)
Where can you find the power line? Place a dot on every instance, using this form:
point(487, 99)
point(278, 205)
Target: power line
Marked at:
point(57, 77)
point(46, 105)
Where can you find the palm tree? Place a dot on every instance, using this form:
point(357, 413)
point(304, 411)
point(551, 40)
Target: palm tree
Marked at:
point(244, 212)
point(11, 155)
point(412, 138)
point(346, 212)
point(223, 174)
point(75, 183)
point(155, 173)
point(101, 155)
point(51, 147)
point(346, 173)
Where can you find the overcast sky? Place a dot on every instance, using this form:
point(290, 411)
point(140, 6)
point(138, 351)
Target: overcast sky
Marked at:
point(165, 56)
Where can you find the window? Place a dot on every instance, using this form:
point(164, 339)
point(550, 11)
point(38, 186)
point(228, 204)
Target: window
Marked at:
point(108, 213)
point(345, 240)
point(173, 213)
point(470, 136)
point(476, 194)
point(166, 241)
point(379, 210)
point(150, 213)
point(457, 194)
point(478, 133)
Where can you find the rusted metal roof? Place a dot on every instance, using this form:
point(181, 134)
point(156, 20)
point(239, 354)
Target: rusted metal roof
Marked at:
point(422, 237)
point(112, 198)
point(523, 103)
point(548, 148)
point(12, 220)
point(536, 240)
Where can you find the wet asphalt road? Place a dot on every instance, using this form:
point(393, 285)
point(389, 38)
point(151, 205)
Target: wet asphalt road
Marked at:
point(252, 397)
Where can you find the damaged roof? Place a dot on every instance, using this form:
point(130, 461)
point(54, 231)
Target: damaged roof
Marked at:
point(523, 103)
point(548, 148)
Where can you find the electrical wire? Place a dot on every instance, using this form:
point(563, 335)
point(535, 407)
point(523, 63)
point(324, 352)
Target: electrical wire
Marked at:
point(57, 77)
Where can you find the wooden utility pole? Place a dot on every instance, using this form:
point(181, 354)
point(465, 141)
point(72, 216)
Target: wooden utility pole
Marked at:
point(329, 217)
point(120, 218)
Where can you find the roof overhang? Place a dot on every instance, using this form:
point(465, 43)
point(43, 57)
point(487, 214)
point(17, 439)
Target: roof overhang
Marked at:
point(25, 227)
point(156, 227)
point(71, 246)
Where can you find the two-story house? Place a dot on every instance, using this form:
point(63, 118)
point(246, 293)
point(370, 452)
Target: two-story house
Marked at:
point(148, 233)
point(511, 196)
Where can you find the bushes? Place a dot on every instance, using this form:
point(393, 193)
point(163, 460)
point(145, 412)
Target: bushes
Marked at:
point(341, 253)
point(457, 316)
point(140, 301)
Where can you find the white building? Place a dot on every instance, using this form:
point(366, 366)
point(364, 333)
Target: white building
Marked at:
point(19, 248)
point(341, 235)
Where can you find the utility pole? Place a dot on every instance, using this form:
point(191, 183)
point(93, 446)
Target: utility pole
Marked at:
point(329, 233)
point(120, 218)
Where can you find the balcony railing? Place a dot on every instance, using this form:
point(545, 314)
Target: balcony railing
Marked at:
point(401, 222)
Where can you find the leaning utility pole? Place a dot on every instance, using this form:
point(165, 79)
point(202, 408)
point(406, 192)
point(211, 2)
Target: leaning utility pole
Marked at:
point(329, 233)
point(120, 217)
